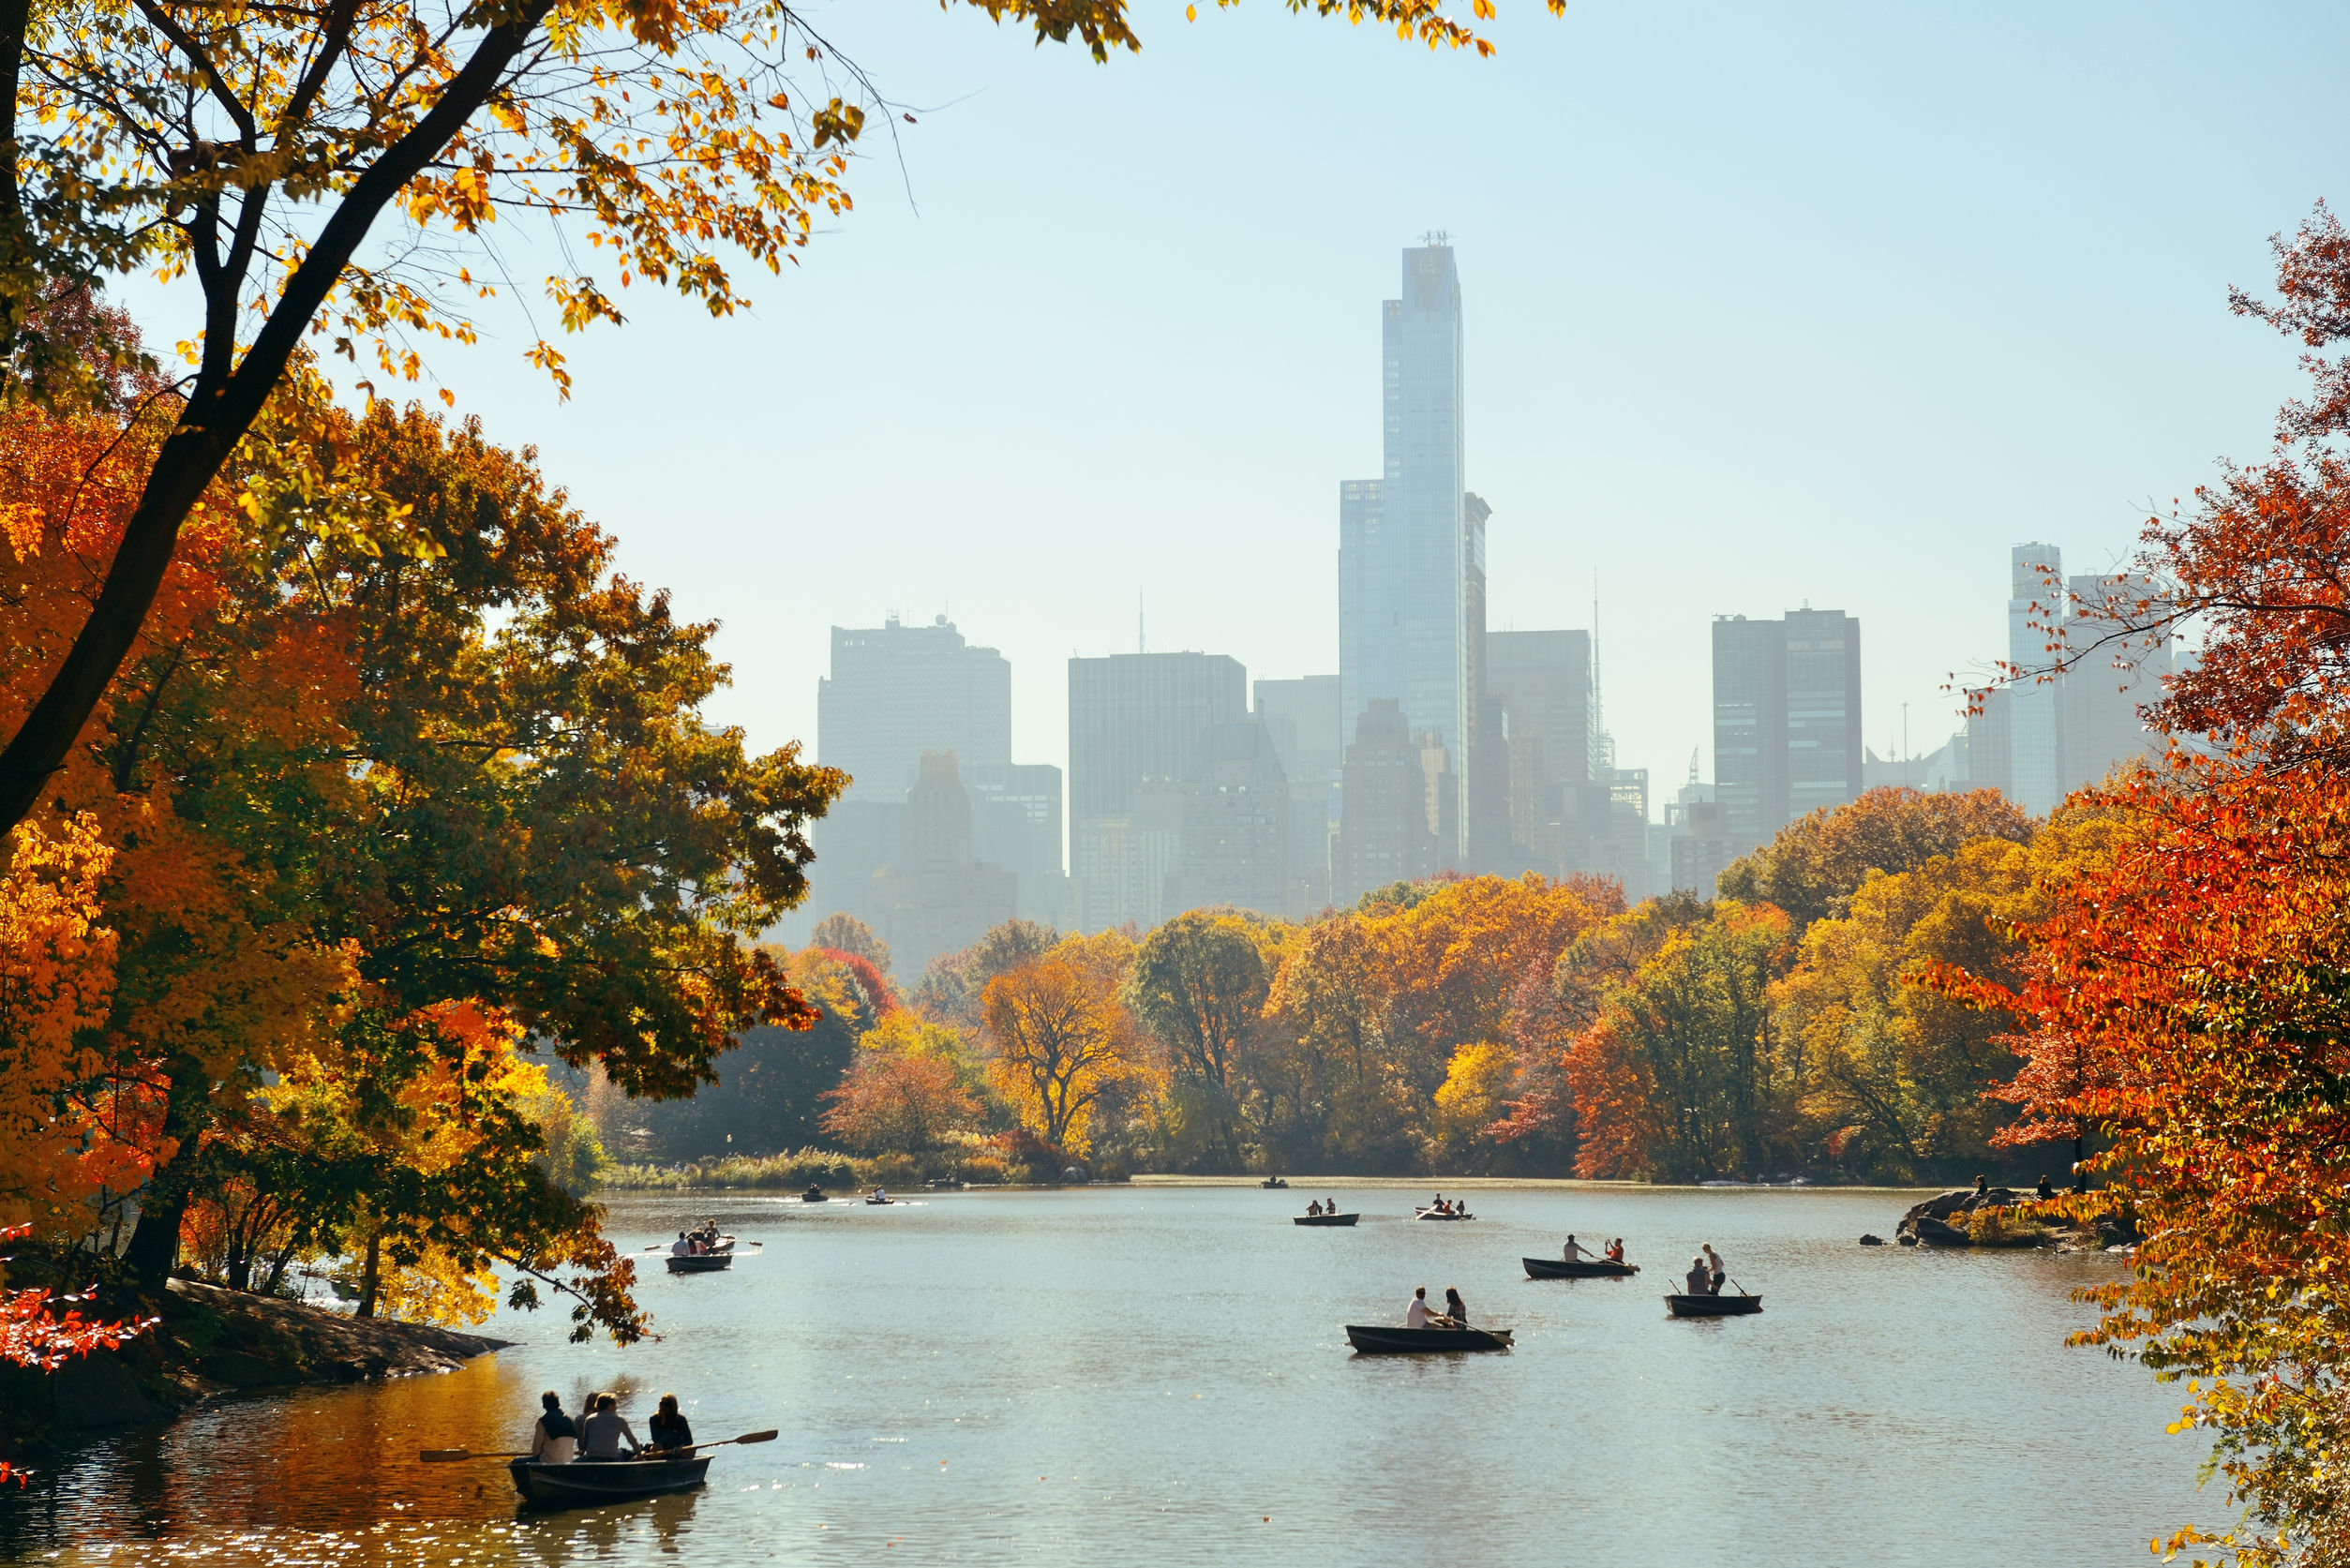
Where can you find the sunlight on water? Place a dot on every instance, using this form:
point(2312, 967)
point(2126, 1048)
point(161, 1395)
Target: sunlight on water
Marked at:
point(1163, 1376)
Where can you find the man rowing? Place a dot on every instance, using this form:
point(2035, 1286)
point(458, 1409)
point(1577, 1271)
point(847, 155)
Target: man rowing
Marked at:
point(1416, 1312)
point(1575, 1251)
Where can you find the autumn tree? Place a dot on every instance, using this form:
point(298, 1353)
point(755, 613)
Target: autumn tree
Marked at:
point(899, 1101)
point(1817, 863)
point(1198, 984)
point(953, 983)
point(258, 151)
point(846, 933)
point(1061, 1038)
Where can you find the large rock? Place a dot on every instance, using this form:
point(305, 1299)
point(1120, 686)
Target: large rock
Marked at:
point(1942, 1219)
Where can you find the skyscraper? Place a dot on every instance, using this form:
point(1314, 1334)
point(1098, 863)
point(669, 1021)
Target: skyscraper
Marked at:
point(1787, 719)
point(1383, 836)
point(1541, 683)
point(896, 692)
point(1308, 736)
point(1404, 543)
point(2035, 713)
point(1138, 727)
point(2112, 675)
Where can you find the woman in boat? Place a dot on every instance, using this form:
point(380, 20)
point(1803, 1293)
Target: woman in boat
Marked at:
point(602, 1433)
point(1456, 1310)
point(1313, 1208)
point(668, 1427)
point(554, 1438)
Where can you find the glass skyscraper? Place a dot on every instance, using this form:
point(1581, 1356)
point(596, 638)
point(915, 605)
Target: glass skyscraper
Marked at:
point(1403, 632)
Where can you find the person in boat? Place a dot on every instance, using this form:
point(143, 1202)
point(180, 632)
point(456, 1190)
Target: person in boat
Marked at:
point(1575, 1251)
point(554, 1438)
point(2047, 1189)
point(1313, 1208)
point(1694, 1282)
point(1717, 1269)
point(879, 1196)
point(1456, 1310)
point(668, 1427)
point(1416, 1312)
point(602, 1433)
point(1615, 1249)
point(1440, 1206)
point(683, 1247)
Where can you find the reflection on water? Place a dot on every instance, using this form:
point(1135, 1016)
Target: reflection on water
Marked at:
point(1162, 1377)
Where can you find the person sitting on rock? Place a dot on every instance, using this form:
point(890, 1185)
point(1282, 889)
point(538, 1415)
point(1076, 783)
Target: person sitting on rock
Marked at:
point(1983, 1185)
point(2047, 1189)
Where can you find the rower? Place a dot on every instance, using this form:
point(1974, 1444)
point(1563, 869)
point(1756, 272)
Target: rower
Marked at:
point(553, 1436)
point(879, 1196)
point(1416, 1313)
point(1695, 1280)
point(1575, 1251)
point(681, 1246)
point(601, 1432)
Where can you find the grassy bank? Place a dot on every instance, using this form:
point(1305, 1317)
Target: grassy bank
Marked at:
point(802, 1168)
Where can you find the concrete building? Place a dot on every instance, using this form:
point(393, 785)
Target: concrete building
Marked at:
point(2112, 674)
point(1384, 831)
point(1308, 736)
point(1541, 683)
point(1016, 824)
point(1138, 725)
point(2033, 709)
point(1233, 840)
point(1787, 719)
point(937, 898)
point(1404, 538)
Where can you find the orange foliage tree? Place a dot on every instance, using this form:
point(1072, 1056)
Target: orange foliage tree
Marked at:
point(1061, 1039)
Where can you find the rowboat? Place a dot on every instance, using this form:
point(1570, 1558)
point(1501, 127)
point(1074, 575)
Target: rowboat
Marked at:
point(1325, 1218)
point(1448, 1214)
point(1713, 1307)
point(881, 1202)
point(813, 1195)
point(1273, 1183)
point(586, 1481)
point(718, 1257)
point(1580, 1268)
point(1422, 1341)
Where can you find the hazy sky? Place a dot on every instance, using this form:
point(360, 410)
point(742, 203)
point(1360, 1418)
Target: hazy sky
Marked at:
point(1765, 305)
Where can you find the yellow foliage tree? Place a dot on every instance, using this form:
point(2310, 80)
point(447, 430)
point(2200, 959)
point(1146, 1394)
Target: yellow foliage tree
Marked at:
point(1061, 1038)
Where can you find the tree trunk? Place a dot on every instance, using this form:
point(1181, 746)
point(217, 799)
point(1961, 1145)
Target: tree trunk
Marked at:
point(155, 1245)
point(370, 1277)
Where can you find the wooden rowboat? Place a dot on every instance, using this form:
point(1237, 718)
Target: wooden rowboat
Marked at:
point(1273, 1183)
point(1580, 1268)
point(1325, 1218)
point(1713, 1307)
point(588, 1481)
point(1372, 1340)
point(1431, 1214)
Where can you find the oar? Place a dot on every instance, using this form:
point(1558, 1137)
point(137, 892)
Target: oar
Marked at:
point(768, 1436)
point(451, 1456)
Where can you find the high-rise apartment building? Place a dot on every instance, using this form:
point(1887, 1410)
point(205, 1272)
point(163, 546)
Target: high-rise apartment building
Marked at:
point(1540, 683)
point(1232, 846)
point(937, 898)
point(1303, 717)
point(1384, 834)
point(2112, 674)
point(1138, 727)
point(1404, 538)
point(1787, 719)
point(897, 691)
point(2034, 707)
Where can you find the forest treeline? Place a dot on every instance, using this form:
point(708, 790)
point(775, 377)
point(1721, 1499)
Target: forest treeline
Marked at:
point(1459, 1025)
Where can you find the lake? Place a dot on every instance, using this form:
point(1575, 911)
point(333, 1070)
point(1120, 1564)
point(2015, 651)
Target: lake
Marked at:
point(1158, 1375)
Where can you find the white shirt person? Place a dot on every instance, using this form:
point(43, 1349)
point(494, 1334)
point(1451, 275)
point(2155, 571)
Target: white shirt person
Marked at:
point(1415, 1314)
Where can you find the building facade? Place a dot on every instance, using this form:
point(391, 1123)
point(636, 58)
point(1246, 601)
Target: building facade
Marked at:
point(1303, 717)
point(1384, 831)
point(1404, 545)
point(1539, 683)
point(2034, 709)
point(1138, 726)
point(1787, 719)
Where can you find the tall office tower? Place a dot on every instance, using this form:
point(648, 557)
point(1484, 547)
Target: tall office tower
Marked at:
point(1308, 736)
point(1404, 538)
point(2035, 708)
point(1489, 843)
point(1541, 683)
point(1750, 727)
point(1787, 719)
point(1824, 750)
point(895, 692)
point(1137, 726)
point(900, 691)
point(1233, 844)
point(2113, 674)
point(1016, 824)
point(937, 899)
point(1383, 832)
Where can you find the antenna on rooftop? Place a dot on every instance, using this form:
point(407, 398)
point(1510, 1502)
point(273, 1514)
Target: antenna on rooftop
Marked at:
point(1436, 237)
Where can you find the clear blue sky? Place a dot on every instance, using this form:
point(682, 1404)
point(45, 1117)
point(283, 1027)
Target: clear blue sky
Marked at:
point(1765, 305)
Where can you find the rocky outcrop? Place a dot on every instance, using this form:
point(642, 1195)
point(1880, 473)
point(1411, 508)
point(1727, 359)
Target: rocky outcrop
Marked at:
point(214, 1342)
point(1943, 1220)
